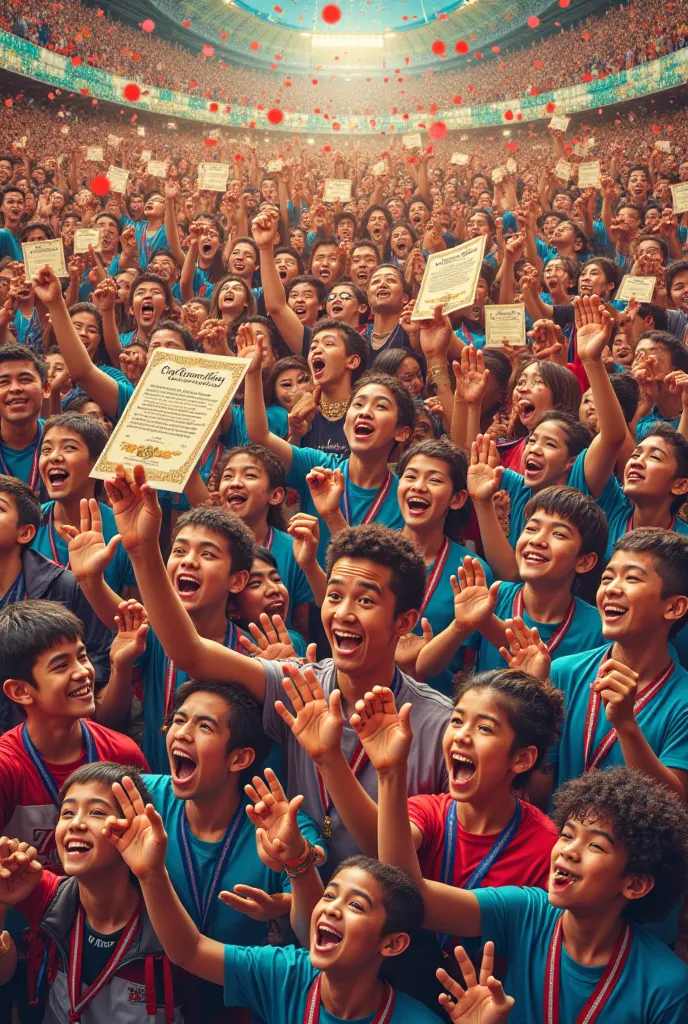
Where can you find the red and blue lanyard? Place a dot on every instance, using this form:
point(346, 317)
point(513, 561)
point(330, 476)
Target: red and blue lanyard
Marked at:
point(204, 901)
point(602, 991)
point(42, 768)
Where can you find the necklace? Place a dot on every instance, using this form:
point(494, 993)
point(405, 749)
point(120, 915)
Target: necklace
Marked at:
point(379, 335)
point(333, 410)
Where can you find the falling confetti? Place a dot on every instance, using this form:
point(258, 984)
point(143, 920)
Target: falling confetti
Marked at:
point(99, 186)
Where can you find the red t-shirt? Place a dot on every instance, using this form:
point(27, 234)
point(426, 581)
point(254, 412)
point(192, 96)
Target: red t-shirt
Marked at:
point(524, 862)
point(26, 808)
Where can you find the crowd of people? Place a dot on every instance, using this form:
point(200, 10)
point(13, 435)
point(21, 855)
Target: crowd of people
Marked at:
point(599, 45)
point(385, 718)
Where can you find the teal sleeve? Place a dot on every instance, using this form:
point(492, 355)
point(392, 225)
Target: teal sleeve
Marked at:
point(272, 981)
point(304, 460)
point(278, 420)
point(125, 390)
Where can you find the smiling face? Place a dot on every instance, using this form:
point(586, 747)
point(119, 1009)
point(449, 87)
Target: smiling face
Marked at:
point(587, 414)
point(64, 464)
point(264, 593)
point(629, 598)
point(328, 359)
point(546, 457)
point(64, 683)
point(200, 568)
point(588, 868)
point(386, 292)
point(426, 492)
point(478, 224)
point(198, 747)
point(679, 290)
point(245, 488)
point(148, 304)
point(549, 549)
point(86, 326)
point(532, 396)
point(652, 472)
point(371, 422)
point(305, 301)
point(622, 349)
point(21, 392)
point(13, 207)
point(81, 846)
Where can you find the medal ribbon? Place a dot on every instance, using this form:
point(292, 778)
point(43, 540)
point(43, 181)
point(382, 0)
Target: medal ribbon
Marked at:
point(604, 988)
point(42, 768)
point(53, 542)
point(231, 638)
point(435, 575)
point(375, 505)
point(78, 1002)
point(16, 593)
point(33, 475)
point(561, 630)
point(203, 903)
point(311, 1013)
point(269, 539)
point(592, 760)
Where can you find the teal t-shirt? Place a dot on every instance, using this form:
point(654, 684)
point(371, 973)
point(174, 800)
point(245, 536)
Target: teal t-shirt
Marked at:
point(19, 461)
point(125, 388)
point(119, 573)
point(520, 494)
point(440, 613)
point(243, 865)
point(278, 422)
point(360, 498)
point(274, 981)
point(645, 424)
point(584, 633)
point(653, 988)
point(293, 577)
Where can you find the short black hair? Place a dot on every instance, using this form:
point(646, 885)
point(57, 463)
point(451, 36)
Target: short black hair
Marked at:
point(289, 250)
point(30, 628)
point(672, 270)
point(32, 225)
point(315, 282)
point(401, 896)
point(406, 410)
point(578, 436)
point(611, 271)
point(106, 773)
point(11, 188)
point(627, 390)
point(15, 353)
point(223, 522)
point(89, 429)
point(390, 359)
point(564, 385)
point(535, 709)
point(678, 353)
point(657, 239)
point(680, 446)
point(183, 333)
point(26, 501)
point(669, 551)
point(647, 818)
point(150, 277)
point(579, 509)
point(273, 466)
point(384, 547)
point(279, 347)
point(354, 343)
point(659, 315)
point(244, 718)
point(456, 461)
point(319, 243)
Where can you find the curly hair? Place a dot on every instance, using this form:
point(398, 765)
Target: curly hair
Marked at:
point(385, 547)
point(647, 818)
point(534, 709)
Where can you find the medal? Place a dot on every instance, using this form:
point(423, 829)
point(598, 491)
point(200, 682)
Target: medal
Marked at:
point(311, 1014)
point(604, 988)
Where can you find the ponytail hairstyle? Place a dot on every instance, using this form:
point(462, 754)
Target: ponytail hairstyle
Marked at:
point(534, 709)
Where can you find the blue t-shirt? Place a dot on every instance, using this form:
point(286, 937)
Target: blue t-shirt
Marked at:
point(653, 988)
point(119, 573)
point(360, 498)
point(23, 325)
point(243, 866)
point(202, 285)
point(520, 494)
point(86, 286)
point(150, 242)
point(645, 424)
point(472, 335)
point(584, 633)
point(440, 613)
point(274, 982)
point(10, 245)
point(19, 461)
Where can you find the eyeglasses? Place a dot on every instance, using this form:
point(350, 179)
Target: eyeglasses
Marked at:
point(340, 295)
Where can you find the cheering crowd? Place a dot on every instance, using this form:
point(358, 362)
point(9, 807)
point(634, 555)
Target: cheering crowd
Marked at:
point(383, 719)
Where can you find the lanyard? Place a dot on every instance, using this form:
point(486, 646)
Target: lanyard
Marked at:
point(203, 902)
point(451, 831)
point(78, 1002)
point(592, 760)
point(16, 593)
point(217, 452)
point(33, 474)
point(358, 761)
point(311, 1013)
point(561, 630)
point(269, 539)
point(51, 538)
point(42, 768)
point(435, 575)
point(376, 504)
point(231, 638)
point(604, 988)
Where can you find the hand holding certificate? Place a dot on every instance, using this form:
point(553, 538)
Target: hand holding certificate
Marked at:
point(213, 177)
point(46, 253)
point(337, 189)
point(450, 279)
point(505, 323)
point(679, 194)
point(640, 288)
point(83, 237)
point(589, 175)
point(118, 178)
point(177, 405)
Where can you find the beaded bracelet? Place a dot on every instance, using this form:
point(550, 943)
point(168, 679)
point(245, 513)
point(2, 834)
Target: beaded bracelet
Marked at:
point(301, 864)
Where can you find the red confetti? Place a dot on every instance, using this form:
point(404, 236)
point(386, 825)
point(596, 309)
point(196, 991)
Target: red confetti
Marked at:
point(537, 63)
point(587, 77)
point(209, 142)
point(331, 14)
point(457, 99)
point(76, 61)
point(564, 3)
point(442, 17)
point(437, 130)
point(275, 116)
point(213, 107)
point(224, 36)
point(84, 92)
point(656, 129)
point(100, 186)
point(148, 25)
point(534, 91)
point(277, 10)
point(327, 149)
point(496, 49)
point(255, 45)
point(462, 46)
point(132, 92)
point(208, 50)
point(551, 107)
point(533, 21)
point(508, 115)
point(438, 48)
point(336, 126)
point(186, 23)
point(51, 95)
point(237, 158)
point(585, 36)
point(9, 102)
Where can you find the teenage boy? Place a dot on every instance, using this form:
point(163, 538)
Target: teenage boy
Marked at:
point(23, 388)
point(376, 582)
point(367, 914)
point(26, 574)
point(658, 355)
point(380, 416)
point(12, 207)
point(91, 927)
point(211, 558)
point(621, 860)
point(47, 673)
point(564, 539)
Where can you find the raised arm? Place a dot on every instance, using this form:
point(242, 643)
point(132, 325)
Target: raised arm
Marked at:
point(257, 426)
point(484, 477)
point(288, 324)
point(172, 190)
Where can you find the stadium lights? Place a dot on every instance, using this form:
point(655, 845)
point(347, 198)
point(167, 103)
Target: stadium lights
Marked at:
point(342, 42)
point(507, 131)
point(311, 142)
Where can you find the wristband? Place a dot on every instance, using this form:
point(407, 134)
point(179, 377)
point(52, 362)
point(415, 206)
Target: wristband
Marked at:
point(301, 864)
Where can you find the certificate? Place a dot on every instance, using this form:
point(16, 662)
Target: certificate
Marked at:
point(560, 122)
point(118, 178)
point(459, 159)
point(337, 189)
point(589, 174)
point(563, 170)
point(113, 140)
point(141, 131)
point(505, 323)
point(379, 168)
point(274, 166)
point(146, 154)
point(511, 165)
point(177, 405)
point(38, 254)
point(640, 288)
point(157, 168)
point(663, 146)
point(679, 194)
point(498, 175)
point(450, 279)
point(94, 153)
point(83, 237)
point(412, 140)
point(213, 177)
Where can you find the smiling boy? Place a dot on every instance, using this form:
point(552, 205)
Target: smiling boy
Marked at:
point(23, 387)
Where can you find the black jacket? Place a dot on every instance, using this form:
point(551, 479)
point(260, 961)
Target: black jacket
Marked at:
point(48, 581)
